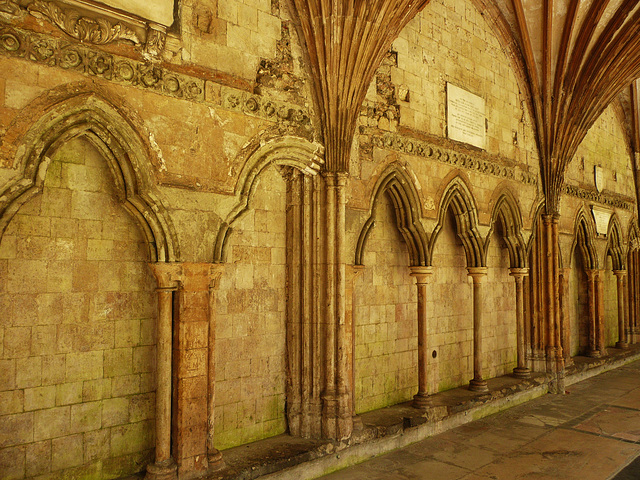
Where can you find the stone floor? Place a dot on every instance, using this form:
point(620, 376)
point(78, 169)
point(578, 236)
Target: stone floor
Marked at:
point(592, 432)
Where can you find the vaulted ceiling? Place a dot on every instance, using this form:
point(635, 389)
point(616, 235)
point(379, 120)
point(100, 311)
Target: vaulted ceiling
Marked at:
point(572, 56)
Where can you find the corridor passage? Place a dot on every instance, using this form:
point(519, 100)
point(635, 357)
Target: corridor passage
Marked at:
point(591, 433)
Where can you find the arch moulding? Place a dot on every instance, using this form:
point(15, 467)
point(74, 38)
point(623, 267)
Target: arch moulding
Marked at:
point(100, 123)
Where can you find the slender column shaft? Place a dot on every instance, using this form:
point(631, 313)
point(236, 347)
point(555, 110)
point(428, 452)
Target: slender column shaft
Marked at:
point(631, 303)
point(565, 315)
point(477, 384)
point(622, 334)
point(167, 277)
point(421, 274)
point(521, 371)
point(592, 349)
point(600, 340)
point(626, 309)
point(213, 454)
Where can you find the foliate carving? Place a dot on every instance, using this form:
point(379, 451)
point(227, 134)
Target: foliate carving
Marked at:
point(9, 6)
point(615, 201)
point(59, 53)
point(420, 148)
point(97, 31)
point(156, 40)
point(257, 106)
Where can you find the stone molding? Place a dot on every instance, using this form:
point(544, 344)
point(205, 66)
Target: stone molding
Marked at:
point(421, 148)
point(611, 200)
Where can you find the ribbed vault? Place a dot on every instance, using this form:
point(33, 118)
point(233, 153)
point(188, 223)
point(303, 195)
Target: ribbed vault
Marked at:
point(345, 41)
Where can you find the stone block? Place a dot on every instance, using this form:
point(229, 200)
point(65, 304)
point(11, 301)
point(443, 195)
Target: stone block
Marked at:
point(115, 411)
point(97, 389)
point(135, 437)
point(127, 333)
point(143, 359)
point(84, 366)
point(66, 452)
point(125, 385)
point(16, 429)
point(142, 407)
point(17, 342)
point(53, 369)
point(38, 458)
point(118, 362)
point(28, 372)
point(43, 339)
point(39, 398)
point(85, 417)
point(12, 462)
point(97, 445)
point(68, 393)
point(51, 423)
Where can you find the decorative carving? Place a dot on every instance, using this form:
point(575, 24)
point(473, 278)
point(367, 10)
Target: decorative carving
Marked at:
point(97, 31)
point(9, 6)
point(156, 40)
point(615, 201)
point(60, 53)
point(420, 148)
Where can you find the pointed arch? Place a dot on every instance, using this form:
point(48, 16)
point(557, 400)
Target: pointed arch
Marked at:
point(615, 244)
point(287, 151)
point(93, 118)
point(507, 211)
point(457, 196)
point(633, 235)
point(395, 181)
point(584, 233)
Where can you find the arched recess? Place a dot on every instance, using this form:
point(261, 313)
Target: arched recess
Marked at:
point(285, 151)
point(615, 244)
point(457, 195)
point(99, 122)
point(395, 181)
point(507, 212)
point(584, 233)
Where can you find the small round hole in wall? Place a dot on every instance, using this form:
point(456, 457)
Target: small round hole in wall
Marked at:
point(434, 354)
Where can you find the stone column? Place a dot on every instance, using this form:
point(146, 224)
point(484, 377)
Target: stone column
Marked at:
point(421, 400)
point(565, 317)
point(167, 275)
point(213, 454)
point(521, 371)
point(621, 276)
point(592, 349)
point(600, 339)
point(631, 298)
point(353, 272)
point(477, 384)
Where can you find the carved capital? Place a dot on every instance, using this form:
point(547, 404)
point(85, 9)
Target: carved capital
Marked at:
point(477, 273)
point(421, 274)
point(156, 40)
point(168, 275)
point(519, 273)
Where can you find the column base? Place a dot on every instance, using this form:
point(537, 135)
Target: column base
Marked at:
point(478, 385)
point(521, 372)
point(421, 401)
point(358, 426)
point(622, 345)
point(216, 462)
point(167, 470)
point(594, 354)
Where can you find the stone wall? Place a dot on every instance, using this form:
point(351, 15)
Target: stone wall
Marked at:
point(250, 333)
point(386, 321)
point(78, 322)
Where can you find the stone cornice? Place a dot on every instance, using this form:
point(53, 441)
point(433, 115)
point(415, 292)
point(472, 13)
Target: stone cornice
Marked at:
point(93, 62)
point(421, 148)
point(608, 199)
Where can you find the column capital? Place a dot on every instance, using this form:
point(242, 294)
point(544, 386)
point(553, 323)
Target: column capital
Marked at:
point(421, 274)
point(168, 275)
point(620, 273)
point(519, 272)
point(477, 273)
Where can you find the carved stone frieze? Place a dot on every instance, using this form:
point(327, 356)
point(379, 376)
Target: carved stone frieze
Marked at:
point(614, 201)
point(9, 6)
point(266, 108)
point(98, 31)
point(69, 56)
point(420, 148)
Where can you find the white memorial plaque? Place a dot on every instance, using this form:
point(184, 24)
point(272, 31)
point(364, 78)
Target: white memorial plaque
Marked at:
point(598, 174)
point(158, 11)
point(465, 117)
point(601, 217)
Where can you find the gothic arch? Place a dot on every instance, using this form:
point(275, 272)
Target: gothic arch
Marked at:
point(507, 211)
point(128, 160)
point(584, 233)
point(457, 195)
point(615, 244)
point(288, 151)
point(395, 180)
